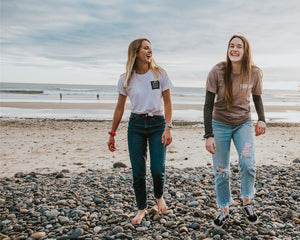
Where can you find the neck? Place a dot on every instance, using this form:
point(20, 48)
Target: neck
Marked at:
point(141, 68)
point(236, 67)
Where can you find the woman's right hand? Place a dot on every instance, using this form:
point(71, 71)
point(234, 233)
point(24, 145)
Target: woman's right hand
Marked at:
point(111, 143)
point(210, 145)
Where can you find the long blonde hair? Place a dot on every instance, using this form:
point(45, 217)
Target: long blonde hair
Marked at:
point(246, 69)
point(133, 49)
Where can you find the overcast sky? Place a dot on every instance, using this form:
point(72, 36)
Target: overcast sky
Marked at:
point(86, 41)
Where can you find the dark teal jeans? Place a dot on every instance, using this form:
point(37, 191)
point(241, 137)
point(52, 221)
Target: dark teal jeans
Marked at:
point(144, 130)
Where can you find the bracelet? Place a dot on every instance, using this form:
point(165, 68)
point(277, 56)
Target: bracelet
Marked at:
point(112, 134)
point(207, 135)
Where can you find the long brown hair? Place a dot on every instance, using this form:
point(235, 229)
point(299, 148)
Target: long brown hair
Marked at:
point(246, 69)
point(133, 49)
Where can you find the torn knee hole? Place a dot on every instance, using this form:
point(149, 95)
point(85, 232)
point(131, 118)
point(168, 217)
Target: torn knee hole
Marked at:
point(246, 150)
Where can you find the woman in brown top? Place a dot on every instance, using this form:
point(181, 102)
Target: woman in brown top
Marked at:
point(229, 117)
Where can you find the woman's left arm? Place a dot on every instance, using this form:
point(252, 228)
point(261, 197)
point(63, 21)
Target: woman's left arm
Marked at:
point(167, 135)
point(260, 127)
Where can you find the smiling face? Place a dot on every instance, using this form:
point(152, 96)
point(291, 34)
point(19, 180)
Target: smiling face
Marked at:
point(236, 50)
point(144, 53)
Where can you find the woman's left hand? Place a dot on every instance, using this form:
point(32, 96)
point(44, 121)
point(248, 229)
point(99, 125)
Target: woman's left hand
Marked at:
point(260, 128)
point(166, 137)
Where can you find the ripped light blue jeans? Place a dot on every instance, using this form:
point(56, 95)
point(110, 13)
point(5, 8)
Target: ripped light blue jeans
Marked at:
point(243, 139)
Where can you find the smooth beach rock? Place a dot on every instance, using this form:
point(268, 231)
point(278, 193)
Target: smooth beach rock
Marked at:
point(123, 236)
point(158, 237)
point(76, 233)
point(63, 220)
point(193, 204)
point(11, 216)
point(97, 200)
point(297, 160)
point(141, 229)
point(183, 229)
point(60, 175)
point(19, 175)
point(119, 165)
point(52, 213)
point(117, 229)
point(165, 234)
point(38, 235)
point(153, 211)
point(198, 213)
point(195, 226)
point(163, 221)
point(61, 202)
point(97, 229)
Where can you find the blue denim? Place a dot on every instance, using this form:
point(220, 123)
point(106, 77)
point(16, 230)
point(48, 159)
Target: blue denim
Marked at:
point(143, 129)
point(243, 139)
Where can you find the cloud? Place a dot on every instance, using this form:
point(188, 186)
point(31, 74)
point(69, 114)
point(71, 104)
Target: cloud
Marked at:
point(189, 35)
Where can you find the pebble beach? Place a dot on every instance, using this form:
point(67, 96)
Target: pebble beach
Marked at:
point(98, 204)
point(59, 181)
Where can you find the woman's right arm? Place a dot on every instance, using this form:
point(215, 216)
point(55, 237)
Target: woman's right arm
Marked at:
point(210, 144)
point(119, 111)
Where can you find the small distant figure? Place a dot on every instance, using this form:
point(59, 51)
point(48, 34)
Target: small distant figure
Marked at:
point(60, 96)
point(98, 96)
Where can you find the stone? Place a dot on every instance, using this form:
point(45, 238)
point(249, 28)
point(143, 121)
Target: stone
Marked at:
point(19, 175)
point(60, 175)
point(183, 229)
point(218, 231)
point(38, 235)
point(97, 229)
point(119, 165)
point(297, 160)
point(153, 211)
point(141, 229)
point(117, 229)
point(97, 200)
point(195, 226)
point(165, 235)
point(93, 203)
point(163, 221)
point(76, 233)
point(193, 204)
point(63, 220)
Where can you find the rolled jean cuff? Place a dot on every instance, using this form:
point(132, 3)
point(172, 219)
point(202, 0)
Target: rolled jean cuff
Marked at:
point(223, 205)
point(251, 196)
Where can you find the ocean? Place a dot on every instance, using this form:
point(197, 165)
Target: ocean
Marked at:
point(39, 93)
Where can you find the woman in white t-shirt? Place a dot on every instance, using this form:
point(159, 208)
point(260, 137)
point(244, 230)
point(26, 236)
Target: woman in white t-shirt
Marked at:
point(148, 87)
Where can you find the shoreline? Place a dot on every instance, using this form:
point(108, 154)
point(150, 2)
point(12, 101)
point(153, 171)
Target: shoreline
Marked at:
point(179, 123)
point(111, 106)
point(183, 112)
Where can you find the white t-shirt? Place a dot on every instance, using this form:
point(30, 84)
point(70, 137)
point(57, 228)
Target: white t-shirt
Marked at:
point(145, 93)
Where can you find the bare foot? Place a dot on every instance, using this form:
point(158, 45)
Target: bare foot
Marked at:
point(161, 205)
point(139, 217)
point(246, 201)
